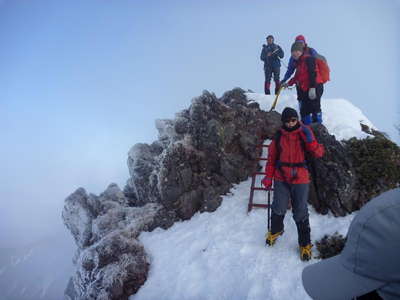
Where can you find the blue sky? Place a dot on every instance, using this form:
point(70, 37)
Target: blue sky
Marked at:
point(82, 81)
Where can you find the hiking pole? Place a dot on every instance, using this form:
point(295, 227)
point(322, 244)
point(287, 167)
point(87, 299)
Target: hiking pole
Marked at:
point(269, 210)
point(276, 98)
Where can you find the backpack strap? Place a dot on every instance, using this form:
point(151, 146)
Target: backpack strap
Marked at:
point(279, 164)
point(277, 139)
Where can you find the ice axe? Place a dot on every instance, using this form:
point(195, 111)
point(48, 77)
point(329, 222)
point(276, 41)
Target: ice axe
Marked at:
point(276, 98)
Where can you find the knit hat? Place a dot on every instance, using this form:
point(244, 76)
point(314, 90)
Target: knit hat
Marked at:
point(300, 38)
point(289, 113)
point(297, 46)
point(270, 36)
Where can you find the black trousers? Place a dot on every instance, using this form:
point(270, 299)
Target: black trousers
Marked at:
point(308, 106)
point(298, 193)
point(269, 71)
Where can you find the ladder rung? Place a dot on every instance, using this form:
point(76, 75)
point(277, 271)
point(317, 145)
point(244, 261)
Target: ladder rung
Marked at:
point(266, 146)
point(260, 205)
point(260, 189)
point(262, 158)
point(259, 173)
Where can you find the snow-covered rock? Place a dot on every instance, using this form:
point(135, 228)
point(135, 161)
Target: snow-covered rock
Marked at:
point(110, 262)
point(200, 154)
point(78, 214)
point(113, 268)
point(198, 157)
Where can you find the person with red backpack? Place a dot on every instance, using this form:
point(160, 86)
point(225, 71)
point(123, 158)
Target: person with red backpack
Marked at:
point(292, 62)
point(286, 166)
point(312, 72)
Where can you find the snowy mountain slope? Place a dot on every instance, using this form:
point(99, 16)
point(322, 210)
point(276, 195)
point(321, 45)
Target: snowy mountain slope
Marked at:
point(222, 255)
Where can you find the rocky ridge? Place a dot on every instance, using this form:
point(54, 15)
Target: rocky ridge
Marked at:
point(197, 158)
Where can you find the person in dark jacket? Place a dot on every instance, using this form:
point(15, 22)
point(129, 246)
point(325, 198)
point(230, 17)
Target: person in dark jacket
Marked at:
point(270, 55)
point(309, 84)
point(286, 165)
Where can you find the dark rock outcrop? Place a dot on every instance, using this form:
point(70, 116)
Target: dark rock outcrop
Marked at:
point(200, 154)
point(331, 245)
point(197, 158)
point(333, 176)
point(352, 172)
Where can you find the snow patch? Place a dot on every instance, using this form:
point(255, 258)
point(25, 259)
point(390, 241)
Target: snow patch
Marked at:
point(222, 255)
point(340, 116)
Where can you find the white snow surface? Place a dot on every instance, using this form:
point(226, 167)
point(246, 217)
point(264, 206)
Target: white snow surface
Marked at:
point(222, 255)
point(340, 116)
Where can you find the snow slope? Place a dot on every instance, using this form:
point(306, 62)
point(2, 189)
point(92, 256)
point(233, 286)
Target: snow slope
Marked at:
point(222, 255)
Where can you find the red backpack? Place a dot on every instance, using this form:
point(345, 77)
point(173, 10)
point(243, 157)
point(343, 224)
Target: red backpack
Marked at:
point(322, 67)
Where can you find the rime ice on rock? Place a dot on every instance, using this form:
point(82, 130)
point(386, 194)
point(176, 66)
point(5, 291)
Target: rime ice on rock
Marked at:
point(197, 158)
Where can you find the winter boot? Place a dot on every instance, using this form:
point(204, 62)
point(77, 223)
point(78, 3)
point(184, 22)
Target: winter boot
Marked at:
point(304, 232)
point(305, 252)
point(266, 88)
point(317, 117)
point(307, 119)
point(304, 235)
point(277, 86)
point(276, 229)
point(270, 239)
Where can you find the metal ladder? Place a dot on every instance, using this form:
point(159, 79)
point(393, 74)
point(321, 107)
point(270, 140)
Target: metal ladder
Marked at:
point(254, 188)
point(253, 183)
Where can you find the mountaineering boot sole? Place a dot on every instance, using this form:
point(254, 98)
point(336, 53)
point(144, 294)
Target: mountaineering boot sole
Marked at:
point(305, 252)
point(270, 239)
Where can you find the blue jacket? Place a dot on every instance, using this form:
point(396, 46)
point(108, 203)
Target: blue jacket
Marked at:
point(272, 61)
point(293, 64)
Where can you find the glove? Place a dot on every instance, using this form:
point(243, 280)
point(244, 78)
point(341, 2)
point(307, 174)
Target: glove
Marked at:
point(307, 133)
point(267, 183)
point(312, 93)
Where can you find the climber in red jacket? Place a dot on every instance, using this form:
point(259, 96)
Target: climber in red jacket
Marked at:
point(309, 79)
point(287, 166)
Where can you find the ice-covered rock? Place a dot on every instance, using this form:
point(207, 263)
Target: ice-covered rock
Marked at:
point(197, 158)
point(201, 153)
point(78, 214)
point(110, 262)
point(113, 268)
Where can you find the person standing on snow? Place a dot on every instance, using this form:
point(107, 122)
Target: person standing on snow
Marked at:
point(286, 165)
point(309, 83)
point(270, 55)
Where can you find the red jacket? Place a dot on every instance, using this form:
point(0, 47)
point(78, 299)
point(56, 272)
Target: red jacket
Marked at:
point(307, 74)
point(292, 145)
